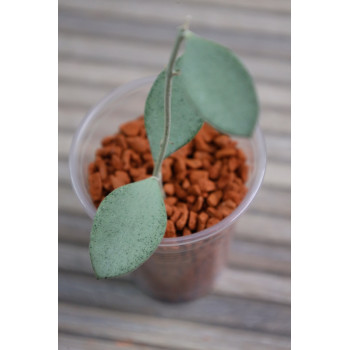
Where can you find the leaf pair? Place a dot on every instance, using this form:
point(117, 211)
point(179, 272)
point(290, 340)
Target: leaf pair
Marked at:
point(213, 86)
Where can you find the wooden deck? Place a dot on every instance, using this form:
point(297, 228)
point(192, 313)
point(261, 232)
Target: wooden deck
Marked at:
point(105, 43)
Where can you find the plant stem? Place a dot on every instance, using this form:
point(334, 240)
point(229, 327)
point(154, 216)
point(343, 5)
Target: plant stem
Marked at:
point(170, 73)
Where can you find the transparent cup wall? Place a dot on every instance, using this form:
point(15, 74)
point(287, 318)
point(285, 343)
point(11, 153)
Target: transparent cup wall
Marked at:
point(182, 268)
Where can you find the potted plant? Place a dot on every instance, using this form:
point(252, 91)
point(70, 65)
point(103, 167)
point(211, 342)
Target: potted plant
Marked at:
point(207, 84)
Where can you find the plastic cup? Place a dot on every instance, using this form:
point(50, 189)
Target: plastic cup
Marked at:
point(182, 268)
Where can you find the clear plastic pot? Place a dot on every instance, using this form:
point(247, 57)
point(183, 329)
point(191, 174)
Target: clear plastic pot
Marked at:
point(181, 268)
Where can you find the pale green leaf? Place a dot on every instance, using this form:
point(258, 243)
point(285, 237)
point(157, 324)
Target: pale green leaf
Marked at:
point(185, 120)
point(219, 86)
point(129, 225)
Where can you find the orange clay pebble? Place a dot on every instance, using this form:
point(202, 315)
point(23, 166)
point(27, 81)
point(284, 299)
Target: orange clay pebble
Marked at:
point(186, 232)
point(116, 162)
point(138, 174)
point(135, 158)
point(132, 128)
point(243, 171)
point(95, 186)
point(181, 222)
point(180, 192)
point(226, 152)
point(202, 220)
point(203, 155)
point(214, 198)
point(138, 144)
point(166, 169)
point(107, 140)
point(233, 195)
point(92, 168)
point(206, 185)
point(120, 178)
point(198, 204)
point(170, 231)
point(214, 171)
point(169, 209)
point(212, 221)
point(102, 168)
point(107, 184)
point(192, 220)
point(194, 163)
point(176, 214)
point(169, 189)
point(190, 199)
point(225, 180)
point(185, 184)
point(232, 164)
point(170, 200)
point(120, 141)
point(215, 213)
point(194, 190)
point(180, 168)
point(201, 145)
point(196, 175)
point(221, 140)
point(203, 180)
point(206, 164)
point(126, 159)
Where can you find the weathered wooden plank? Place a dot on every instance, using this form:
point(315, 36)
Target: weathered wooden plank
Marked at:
point(154, 331)
point(260, 257)
point(255, 254)
point(278, 175)
point(257, 5)
point(135, 30)
point(212, 309)
point(74, 342)
point(232, 282)
point(260, 227)
point(173, 13)
point(262, 69)
point(278, 147)
point(251, 284)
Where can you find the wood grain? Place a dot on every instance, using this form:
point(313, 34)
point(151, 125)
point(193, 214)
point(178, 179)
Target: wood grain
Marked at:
point(174, 14)
point(232, 312)
point(115, 325)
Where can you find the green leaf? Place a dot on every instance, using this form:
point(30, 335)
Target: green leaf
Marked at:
point(128, 227)
point(219, 86)
point(185, 120)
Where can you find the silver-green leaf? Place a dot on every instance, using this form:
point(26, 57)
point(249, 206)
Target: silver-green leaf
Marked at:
point(219, 86)
point(128, 227)
point(185, 119)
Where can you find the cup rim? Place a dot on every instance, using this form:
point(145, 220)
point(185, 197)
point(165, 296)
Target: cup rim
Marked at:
point(166, 242)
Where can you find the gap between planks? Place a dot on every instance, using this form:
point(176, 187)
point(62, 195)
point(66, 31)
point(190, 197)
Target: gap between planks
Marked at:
point(229, 312)
point(69, 341)
point(116, 325)
point(173, 14)
point(133, 30)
